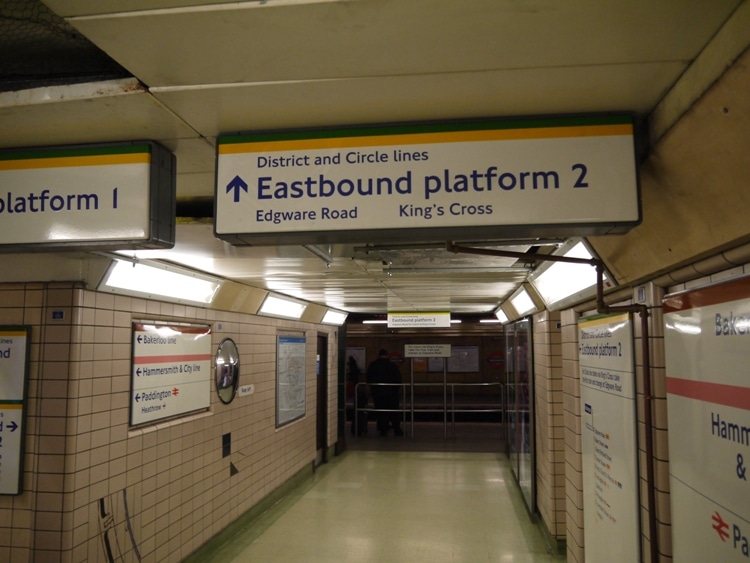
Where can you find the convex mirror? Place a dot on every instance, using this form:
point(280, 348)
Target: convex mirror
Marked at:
point(227, 370)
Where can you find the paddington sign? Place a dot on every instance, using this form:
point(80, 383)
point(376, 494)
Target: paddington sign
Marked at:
point(488, 178)
point(94, 197)
point(171, 371)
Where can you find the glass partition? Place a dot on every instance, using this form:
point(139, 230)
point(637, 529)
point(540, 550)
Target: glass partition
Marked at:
point(520, 404)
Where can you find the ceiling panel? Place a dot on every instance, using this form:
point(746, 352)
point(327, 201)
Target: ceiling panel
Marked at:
point(119, 110)
point(205, 67)
point(271, 41)
point(245, 107)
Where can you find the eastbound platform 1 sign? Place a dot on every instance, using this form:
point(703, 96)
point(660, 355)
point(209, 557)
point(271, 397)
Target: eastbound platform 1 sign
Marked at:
point(171, 371)
point(706, 338)
point(90, 197)
point(609, 449)
point(419, 319)
point(14, 354)
point(454, 180)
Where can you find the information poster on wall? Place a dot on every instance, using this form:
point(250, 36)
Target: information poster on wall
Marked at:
point(608, 439)
point(358, 353)
point(436, 364)
point(427, 350)
point(464, 359)
point(707, 341)
point(290, 379)
point(171, 372)
point(14, 354)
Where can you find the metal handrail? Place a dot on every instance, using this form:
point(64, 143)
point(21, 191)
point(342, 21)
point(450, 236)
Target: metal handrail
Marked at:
point(404, 407)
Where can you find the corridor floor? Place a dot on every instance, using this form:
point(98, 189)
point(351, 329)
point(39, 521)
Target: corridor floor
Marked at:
point(397, 506)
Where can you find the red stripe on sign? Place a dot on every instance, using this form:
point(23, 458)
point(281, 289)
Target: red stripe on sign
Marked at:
point(171, 359)
point(724, 292)
point(718, 393)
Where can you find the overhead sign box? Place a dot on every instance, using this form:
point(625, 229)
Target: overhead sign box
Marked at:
point(439, 319)
point(89, 197)
point(464, 180)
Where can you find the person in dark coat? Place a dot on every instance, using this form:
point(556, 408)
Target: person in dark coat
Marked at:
point(386, 397)
point(359, 416)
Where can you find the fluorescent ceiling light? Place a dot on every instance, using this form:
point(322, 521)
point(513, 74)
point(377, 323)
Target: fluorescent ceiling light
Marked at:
point(334, 317)
point(375, 322)
point(501, 316)
point(455, 321)
point(279, 307)
point(489, 321)
point(562, 279)
point(160, 281)
point(522, 302)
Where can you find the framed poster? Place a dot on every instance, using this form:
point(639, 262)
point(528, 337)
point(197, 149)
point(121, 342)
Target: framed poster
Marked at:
point(291, 381)
point(358, 353)
point(436, 364)
point(14, 369)
point(611, 504)
point(464, 359)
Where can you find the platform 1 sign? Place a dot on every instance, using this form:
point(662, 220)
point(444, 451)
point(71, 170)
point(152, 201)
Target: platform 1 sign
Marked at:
point(707, 338)
point(14, 356)
point(90, 197)
point(481, 179)
point(171, 371)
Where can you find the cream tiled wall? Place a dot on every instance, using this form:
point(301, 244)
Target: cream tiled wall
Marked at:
point(572, 408)
point(572, 420)
point(550, 429)
point(660, 460)
point(157, 492)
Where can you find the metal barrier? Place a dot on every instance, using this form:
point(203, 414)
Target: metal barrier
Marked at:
point(410, 407)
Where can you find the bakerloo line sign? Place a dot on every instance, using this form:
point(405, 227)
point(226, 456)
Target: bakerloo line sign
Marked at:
point(491, 178)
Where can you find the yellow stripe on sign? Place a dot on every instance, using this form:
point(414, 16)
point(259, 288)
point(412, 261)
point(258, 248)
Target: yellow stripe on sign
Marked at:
point(430, 138)
point(72, 161)
point(607, 319)
point(11, 406)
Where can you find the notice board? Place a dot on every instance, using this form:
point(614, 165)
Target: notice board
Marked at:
point(608, 439)
point(291, 383)
point(171, 371)
point(707, 344)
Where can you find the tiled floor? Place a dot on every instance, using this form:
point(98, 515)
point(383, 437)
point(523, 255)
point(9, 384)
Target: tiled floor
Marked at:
point(392, 504)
